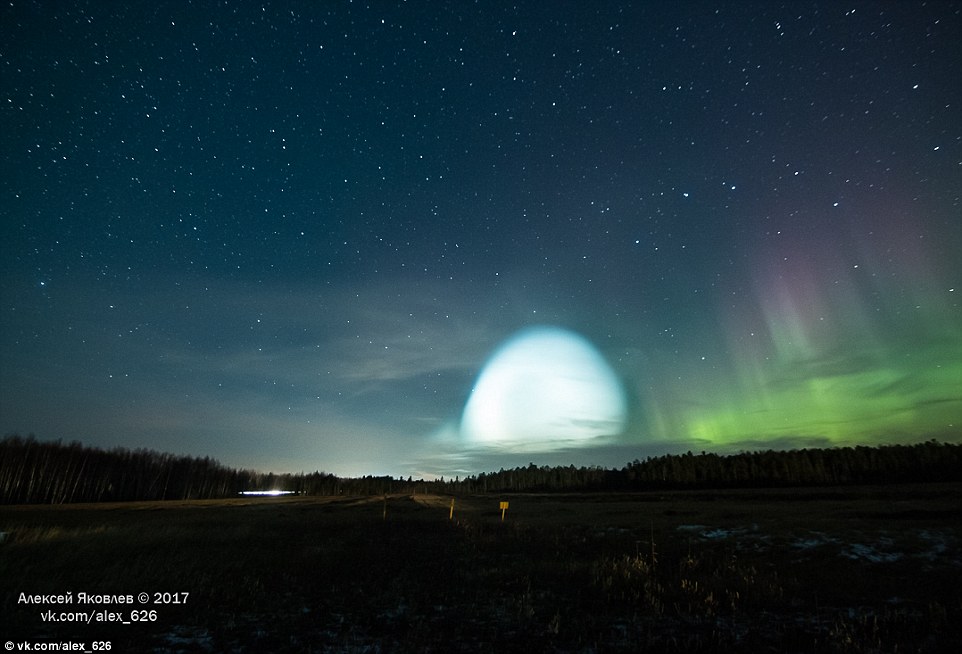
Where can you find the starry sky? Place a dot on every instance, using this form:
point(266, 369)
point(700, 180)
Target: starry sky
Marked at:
point(296, 236)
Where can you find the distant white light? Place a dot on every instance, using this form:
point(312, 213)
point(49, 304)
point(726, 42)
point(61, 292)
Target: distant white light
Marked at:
point(271, 493)
point(545, 389)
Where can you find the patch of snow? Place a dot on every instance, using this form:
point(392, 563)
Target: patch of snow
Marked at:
point(718, 533)
point(186, 639)
point(815, 539)
point(857, 551)
point(941, 546)
point(807, 543)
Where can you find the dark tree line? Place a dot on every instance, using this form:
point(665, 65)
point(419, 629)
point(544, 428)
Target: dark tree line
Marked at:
point(886, 464)
point(34, 472)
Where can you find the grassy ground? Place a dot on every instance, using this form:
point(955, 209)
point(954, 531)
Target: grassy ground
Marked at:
point(821, 570)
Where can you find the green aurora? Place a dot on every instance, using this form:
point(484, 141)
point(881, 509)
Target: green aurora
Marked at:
point(826, 352)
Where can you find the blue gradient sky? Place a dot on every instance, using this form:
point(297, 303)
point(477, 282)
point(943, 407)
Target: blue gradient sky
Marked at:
point(291, 237)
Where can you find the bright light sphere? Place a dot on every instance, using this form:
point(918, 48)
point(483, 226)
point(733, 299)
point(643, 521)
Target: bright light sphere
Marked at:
point(546, 388)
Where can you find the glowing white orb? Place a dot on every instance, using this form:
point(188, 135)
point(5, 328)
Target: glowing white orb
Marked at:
point(546, 388)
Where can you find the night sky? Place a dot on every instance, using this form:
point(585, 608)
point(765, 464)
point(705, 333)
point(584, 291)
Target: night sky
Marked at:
point(294, 236)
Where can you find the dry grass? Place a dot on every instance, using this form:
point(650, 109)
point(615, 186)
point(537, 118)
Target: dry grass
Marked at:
point(850, 570)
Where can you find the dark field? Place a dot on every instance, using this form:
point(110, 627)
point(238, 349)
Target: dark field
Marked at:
point(868, 569)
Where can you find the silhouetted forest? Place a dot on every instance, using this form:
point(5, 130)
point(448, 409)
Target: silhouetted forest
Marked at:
point(33, 472)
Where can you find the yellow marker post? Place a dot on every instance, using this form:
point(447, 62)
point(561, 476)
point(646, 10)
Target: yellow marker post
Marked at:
point(504, 507)
point(451, 513)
